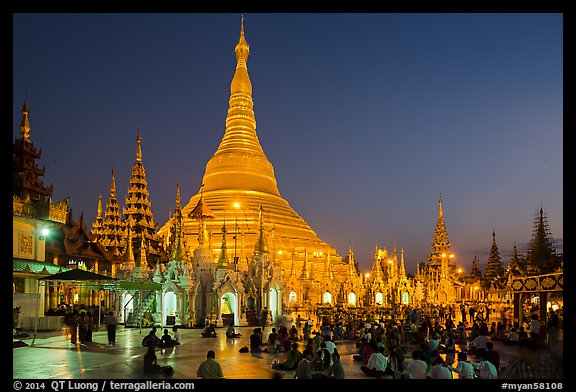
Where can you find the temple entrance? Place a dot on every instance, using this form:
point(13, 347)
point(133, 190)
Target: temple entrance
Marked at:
point(127, 306)
point(327, 298)
point(229, 307)
point(273, 301)
point(379, 299)
point(442, 297)
point(405, 298)
point(251, 316)
point(352, 299)
point(169, 307)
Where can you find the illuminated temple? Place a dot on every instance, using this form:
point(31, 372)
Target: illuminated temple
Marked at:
point(237, 248)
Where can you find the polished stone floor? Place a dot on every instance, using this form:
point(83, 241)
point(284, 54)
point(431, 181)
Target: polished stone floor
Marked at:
point(53, 356)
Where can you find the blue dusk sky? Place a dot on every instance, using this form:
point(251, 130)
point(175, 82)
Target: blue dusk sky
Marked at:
point(367, 118)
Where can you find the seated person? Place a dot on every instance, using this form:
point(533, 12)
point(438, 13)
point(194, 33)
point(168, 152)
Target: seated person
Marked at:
point(512, 338)
point(167, 340)
point(209, 331)
point(294, 356)
point(231, 333)
point(293, 333)
point(256, 341)
point(272, 345)
point(176, 335)
point(151, 339)
point(151, 366)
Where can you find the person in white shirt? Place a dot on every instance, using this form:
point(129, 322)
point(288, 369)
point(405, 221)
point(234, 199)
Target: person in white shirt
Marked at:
point(487, 369)
point(433, 342)
point(417, 368)
point(377, 364)
point(534, 328)
point(479, 343)
point(330, 345)
point(176, 334)
point(464, 368)
point(513, 337)
point(440, 371)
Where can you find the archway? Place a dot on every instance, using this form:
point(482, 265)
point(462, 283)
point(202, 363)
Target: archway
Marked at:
point(229, 308)
point(273, 302)
point(127, 306)
point(292, 298)
point(379, 298)
point(352, 298)
point(405, 298)
point(442, 297)
point(327, 298)
point(169, 305)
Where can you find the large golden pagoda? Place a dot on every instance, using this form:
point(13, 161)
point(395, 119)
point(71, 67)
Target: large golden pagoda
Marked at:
point(239, 179)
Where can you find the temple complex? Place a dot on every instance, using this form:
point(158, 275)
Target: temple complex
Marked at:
point(237, 250)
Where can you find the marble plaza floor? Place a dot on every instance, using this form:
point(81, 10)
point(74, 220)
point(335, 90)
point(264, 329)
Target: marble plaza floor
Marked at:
point(53, 356)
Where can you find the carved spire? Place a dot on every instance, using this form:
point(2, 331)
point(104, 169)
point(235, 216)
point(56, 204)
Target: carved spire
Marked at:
point(223, 259)
point(129, 261)
point(402, 265)
point(139, 147)
point(305, 275)
point(177, 250)
point(261, 246)
point(143, 260)
point(25, 123)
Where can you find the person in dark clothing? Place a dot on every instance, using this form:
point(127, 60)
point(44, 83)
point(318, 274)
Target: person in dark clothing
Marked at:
point(493, 356)
point(256, 341)
point(111, 323)
point(167, 340)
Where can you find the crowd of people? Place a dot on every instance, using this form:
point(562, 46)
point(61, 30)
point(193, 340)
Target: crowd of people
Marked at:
point(415, 343)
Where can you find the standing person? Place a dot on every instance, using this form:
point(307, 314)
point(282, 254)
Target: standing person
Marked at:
point(298, 321)
point(534, 326)
point(89, 326)
point(264, 319)
point(111, 323)
point(73, 325)
point(210, 369)
point(493, 356)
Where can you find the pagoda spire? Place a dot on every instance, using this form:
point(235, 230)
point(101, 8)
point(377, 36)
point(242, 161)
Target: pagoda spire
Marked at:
point(25, 123)
point(351, 264)
point(97, 225)
point(223, 259)
point(112, 233)
point(261, 246)
point(305, 275)
point(143, 260)
point(376, 272)
point(129, 261)
point(402, 265)
point(177, 250)
point(240, 151)
point(139, 147)
point(440, 245)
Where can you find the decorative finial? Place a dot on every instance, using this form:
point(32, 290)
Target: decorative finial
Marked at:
point(139, 148)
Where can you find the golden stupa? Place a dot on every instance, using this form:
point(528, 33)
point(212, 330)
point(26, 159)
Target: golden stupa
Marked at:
point(239, 179)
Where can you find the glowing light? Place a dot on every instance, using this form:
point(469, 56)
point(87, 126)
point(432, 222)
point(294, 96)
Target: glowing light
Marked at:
point(236, 205)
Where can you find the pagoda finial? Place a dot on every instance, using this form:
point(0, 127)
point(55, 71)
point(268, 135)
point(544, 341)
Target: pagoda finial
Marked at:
point(113, 186)
point(25, 123)
point(178, 196)
point(139, 148)
point(440, 212)
point(143, 260)
point(99, 209)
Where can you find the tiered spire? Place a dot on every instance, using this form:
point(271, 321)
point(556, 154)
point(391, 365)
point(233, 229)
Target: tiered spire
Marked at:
point(305, 275)
point(494, 267)
point(440, 245)
point(97, 226)
point(541, 254)
point(113, 228)
point(352, 273)
point(26, 175)
point(138, 210)
point(129, 261)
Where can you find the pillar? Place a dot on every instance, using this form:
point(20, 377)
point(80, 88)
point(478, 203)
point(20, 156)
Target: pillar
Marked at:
point(517, 311)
